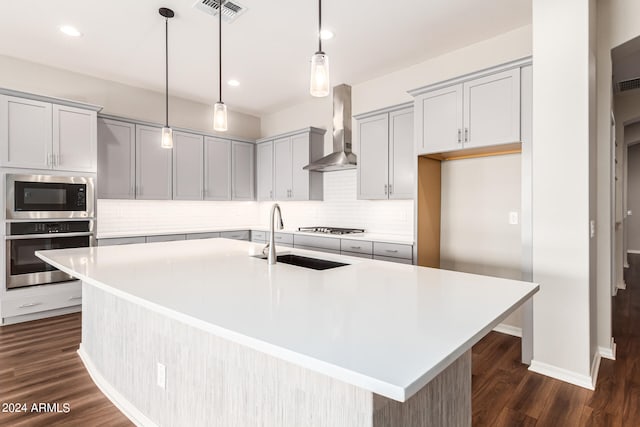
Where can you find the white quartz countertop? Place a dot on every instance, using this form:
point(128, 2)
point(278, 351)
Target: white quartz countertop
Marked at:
point(385, 327)
point(374, 237)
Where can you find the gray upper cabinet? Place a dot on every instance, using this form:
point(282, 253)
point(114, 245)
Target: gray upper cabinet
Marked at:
point(74, 139)
point(188, 166)
point(243, 166)
point(217, 169)
point(476, 112)
point(153, 165)
point(291, 153)
point(42, 135)
point(116, 159)
point(386, 162)
point(264, 171)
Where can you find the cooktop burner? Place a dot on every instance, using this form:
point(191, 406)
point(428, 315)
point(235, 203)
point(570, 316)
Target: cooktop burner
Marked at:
point(331, 230)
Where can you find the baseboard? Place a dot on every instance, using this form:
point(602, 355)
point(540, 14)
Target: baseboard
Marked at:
point(633, 251)
point(509, 330)
point(40, 315)
point(595, 368)
point(622, 284)
point(120, 402)
point(626, 265)
point(608, 352)
point(565, 375)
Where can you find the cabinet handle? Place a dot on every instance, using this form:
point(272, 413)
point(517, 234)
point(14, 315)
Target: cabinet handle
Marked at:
point(354, 247)
point(386, 191)
point(459, 136)
point(30, 304)
point(466, 134)
point(271, 194)
point(74, 298)
point(392, 251)
point(390, 189)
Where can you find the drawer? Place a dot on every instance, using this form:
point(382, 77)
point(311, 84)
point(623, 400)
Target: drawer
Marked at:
point(37, 302)
point(310, 248)
point(359, 255)
point(196, 236)
point(316, 242)
point(393, 250)
point(237, 235)
point(167, 238)
point(392, 259)
point(121, 241)
point(282, 238)
point(258, 236)
point(357, 246)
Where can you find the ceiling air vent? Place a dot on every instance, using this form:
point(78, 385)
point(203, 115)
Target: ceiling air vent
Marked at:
point(629, 84)
point(231, 10)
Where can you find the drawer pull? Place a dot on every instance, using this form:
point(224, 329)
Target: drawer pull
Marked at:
point(72, 298)
point(393, 251)
point(30, 304)
point(355, 247)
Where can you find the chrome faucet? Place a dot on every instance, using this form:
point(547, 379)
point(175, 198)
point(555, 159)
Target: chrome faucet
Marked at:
point(271, 258)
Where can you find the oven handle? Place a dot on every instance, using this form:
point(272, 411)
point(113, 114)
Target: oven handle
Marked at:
point(47, 236)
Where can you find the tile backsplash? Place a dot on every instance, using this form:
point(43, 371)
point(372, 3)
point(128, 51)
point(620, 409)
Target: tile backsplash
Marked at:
point(340, 208)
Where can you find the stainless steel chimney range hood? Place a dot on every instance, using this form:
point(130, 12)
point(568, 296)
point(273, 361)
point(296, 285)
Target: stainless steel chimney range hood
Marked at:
point(341, 158)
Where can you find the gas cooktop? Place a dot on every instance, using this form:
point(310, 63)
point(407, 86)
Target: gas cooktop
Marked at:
point(331, 230)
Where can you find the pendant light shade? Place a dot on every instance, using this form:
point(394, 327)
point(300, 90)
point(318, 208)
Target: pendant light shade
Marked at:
point(319, 83)
point(219, 108)
point(167, 133)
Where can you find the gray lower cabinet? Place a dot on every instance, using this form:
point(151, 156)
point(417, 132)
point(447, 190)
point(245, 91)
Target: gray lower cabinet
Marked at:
point(264, 171)
point(356, 254)
point(323, 244)
point(153, 165)
point(166, 238)
point(258, 236)
point(196, 236)
point(392, 259)
point(116, 159)
point(188, 166)
point(393, 252)
point(236, 235)
point(121, 241)
point(217, 169)
point(242, 160)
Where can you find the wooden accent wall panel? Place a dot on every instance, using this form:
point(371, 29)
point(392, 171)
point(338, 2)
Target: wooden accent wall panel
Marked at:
point(429, 197)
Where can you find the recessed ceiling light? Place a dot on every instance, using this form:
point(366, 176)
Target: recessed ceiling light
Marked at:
point(70, 31)
point(233, 82)
point(326, 34)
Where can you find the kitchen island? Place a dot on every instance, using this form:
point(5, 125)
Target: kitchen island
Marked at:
point(206, 333)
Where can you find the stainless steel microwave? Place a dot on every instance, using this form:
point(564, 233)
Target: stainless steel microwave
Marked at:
point(49, 196)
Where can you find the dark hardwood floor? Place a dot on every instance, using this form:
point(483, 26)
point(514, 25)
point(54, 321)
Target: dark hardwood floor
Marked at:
point(39, 364)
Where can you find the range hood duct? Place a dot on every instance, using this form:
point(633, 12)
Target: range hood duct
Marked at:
point(342, 158)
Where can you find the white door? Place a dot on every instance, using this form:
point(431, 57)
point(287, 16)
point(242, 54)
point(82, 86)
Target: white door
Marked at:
point(401, 159)
point(282, 174)
point(116, 159)
point(373, 159)
point(188, 166)
point(441, 116)
point(264, 170)
point(492, 109)
point(153, 165)
point(217, 169)
point(299, 159)
point(25, 133)
point(242, 156)
point(74, 139)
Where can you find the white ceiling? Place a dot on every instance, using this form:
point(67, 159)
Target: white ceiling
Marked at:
point(267, 49)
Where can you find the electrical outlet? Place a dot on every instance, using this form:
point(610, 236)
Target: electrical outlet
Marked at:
point(162, 376)
point(513, 218)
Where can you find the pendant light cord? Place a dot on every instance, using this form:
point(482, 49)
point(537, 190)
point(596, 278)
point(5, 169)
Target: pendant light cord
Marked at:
point(220, 2)
point(319, 25)
point(166, 70)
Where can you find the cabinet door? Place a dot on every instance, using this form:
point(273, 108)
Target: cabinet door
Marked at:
point(217, 169)
point(25, 133)
point(242, 171)
point(74, 139)
point(299, 159)
point(188, 166)
point(401, 159)
point(116, 159)
point(492, 109)
point(440, 113)
point(264, 170)
point(153, 165)
point(282, 174)
point(373, 159)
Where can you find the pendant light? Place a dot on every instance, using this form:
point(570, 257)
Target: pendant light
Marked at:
point(319, 85)
point(167, 132)
point(219, 108)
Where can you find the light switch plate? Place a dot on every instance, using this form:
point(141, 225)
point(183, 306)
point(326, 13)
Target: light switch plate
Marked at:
point(592, 228)
point(162, 376)
point(513, 218)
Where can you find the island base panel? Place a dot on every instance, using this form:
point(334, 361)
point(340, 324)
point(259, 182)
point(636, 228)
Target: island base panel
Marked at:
point(211, 381)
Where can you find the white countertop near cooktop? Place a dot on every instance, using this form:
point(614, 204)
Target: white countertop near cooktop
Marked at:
point(384, 327)
point(374, 237)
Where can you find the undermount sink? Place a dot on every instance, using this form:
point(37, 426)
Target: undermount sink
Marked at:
point(307, 262)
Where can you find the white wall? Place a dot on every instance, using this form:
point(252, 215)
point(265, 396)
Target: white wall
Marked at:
point(561, 194)
point(119, 99)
